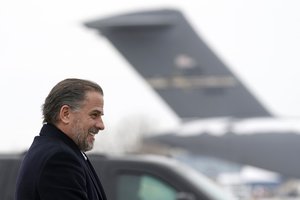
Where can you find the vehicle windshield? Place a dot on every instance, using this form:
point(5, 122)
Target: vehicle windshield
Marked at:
point(208, 187)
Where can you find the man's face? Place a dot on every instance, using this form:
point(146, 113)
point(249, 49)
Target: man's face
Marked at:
point(87, 121)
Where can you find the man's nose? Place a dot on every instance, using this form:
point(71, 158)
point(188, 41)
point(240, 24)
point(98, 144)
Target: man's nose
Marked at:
point(100, 124)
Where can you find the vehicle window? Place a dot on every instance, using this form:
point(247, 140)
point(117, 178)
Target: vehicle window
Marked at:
point(143, 187)
point(208, 187)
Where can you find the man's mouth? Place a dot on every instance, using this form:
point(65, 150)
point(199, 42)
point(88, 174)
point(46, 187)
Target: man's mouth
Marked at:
point(93, 132)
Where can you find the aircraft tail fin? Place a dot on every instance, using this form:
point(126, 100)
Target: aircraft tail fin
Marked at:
point(163, 47)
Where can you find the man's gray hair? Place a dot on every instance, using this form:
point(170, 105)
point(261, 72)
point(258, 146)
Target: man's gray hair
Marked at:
point(69, 92)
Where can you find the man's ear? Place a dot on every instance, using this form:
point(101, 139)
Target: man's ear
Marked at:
point(64, 114)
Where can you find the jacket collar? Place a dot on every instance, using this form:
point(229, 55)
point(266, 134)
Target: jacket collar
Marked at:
point(50, 130)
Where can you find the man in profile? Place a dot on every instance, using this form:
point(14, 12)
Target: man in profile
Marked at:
point(56, 166)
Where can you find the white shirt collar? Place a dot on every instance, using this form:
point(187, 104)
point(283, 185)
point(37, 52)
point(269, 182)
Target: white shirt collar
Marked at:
point(84, 156)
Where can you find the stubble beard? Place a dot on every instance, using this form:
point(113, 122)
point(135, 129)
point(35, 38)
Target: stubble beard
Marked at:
point(82, 140)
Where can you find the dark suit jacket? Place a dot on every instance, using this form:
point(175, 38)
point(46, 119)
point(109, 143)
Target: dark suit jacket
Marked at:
point(55, 169)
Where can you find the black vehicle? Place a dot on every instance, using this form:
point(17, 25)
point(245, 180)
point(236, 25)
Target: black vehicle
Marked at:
point(133, 177)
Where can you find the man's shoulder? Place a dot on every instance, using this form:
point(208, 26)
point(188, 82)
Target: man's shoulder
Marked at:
point(45, 148)
point(49, 144)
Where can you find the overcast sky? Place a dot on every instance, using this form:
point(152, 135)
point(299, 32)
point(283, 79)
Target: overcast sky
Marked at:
point(44, 41)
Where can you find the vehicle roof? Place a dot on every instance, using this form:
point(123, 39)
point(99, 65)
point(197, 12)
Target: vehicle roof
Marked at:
point(141, 158)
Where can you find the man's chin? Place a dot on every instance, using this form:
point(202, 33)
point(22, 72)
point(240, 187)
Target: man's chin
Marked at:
point(88, 147)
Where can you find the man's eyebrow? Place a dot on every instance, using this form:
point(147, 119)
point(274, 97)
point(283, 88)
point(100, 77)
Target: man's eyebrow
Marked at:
point(100, 112)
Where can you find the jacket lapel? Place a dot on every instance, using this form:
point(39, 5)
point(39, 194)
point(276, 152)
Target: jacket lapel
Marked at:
point(95, 179)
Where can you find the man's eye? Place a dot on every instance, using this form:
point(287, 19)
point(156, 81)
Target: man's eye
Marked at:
point(95, 115)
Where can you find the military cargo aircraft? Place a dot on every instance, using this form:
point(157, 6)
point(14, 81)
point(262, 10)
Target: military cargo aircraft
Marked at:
point(166, 51)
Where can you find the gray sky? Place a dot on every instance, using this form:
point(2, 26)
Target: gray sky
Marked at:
point(43, 42)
